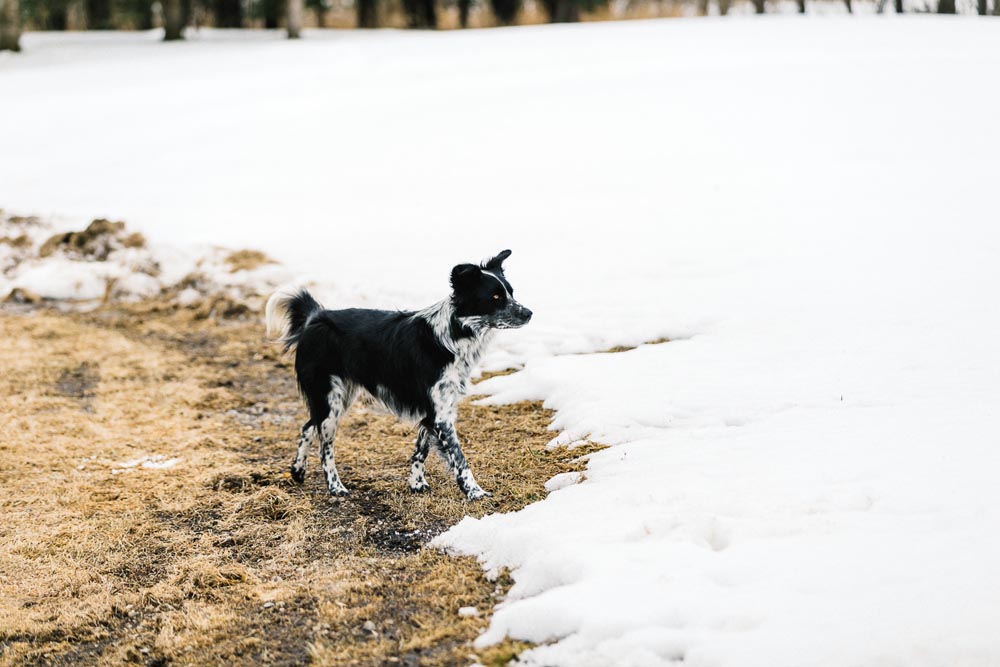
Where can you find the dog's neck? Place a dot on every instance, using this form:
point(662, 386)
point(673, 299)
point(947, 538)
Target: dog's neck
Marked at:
point(462, 336)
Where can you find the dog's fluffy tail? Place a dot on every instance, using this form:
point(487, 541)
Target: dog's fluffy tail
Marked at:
point(287, 313)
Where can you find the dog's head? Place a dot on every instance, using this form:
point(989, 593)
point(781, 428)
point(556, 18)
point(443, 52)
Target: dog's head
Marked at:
point(483, 298)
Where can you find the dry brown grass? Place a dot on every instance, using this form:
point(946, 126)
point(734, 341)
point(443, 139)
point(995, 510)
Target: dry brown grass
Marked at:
point(222, 559)
point(625, 348)
point(247, 260)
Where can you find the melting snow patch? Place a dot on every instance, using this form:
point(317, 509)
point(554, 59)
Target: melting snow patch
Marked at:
point(562, 480)
point(152, 462)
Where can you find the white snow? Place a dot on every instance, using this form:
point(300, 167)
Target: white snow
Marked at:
point(805, 474)
point(149, 462)
point(562, 480)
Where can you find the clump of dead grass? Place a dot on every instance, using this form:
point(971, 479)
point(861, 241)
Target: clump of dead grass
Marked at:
point(95, 242)
point(22, 296)
point(202, 577)
point(247, 260)
point(269, 504)
point(20, 241)
point(626, 348)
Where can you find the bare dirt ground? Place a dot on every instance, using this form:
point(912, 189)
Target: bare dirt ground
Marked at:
point(148, 516)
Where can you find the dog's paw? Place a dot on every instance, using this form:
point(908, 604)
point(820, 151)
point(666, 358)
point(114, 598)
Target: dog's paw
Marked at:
point(416, 481)
point(298, 474)
point(338, 491)
point(477, 494)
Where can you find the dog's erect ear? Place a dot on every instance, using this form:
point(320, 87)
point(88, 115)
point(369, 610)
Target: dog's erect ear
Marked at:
point(496, 262)
point(463, 274)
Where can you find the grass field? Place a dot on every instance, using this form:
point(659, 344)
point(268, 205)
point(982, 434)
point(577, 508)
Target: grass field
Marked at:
point(149, 517)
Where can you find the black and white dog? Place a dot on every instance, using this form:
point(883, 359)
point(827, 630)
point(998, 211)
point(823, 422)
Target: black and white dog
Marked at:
point(416, 364)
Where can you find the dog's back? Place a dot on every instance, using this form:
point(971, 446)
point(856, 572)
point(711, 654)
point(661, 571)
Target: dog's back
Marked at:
point(392, 355)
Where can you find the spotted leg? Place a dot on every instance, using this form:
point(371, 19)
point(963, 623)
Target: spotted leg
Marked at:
point(417, 481)
point(340, 398)
point(307, 438)
point(451, 451)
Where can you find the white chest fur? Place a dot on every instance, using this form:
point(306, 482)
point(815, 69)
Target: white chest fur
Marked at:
point(454, 381)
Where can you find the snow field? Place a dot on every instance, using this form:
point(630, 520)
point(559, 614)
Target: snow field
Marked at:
point(804, 474)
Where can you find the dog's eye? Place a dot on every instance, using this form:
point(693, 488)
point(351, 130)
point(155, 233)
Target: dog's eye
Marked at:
point(496, 297)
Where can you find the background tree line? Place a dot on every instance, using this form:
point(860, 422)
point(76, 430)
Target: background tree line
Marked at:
point(175, 15)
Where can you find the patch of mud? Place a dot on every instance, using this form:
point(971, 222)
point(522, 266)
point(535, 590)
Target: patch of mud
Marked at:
point(79, 383)
point(396, 540)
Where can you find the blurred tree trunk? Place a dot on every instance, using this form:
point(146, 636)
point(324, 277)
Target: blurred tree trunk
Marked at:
point(10, 25)
point(76, 15)
point(723, 7)
point(802, 6)
point(272, 13)
point(173, 20)
point(899, 6)
point(294, 21)
point(702, 7)
point(981, 7)
point(367, 15)
point(946, 7)
point(420, 13)
point(562, 11)
point(463, 12)
point(99, 15)
point(57, 18)
point(321, 9)
point(228, 13)
point(505, 10)
point(758, 6)
point(146, 20)
point(850, 7)
point(996, 7)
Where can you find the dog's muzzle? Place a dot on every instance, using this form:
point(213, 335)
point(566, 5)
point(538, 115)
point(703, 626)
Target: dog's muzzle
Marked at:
point(513, 316)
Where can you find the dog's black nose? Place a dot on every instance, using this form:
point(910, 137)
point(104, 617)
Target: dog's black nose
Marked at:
point(525, 313)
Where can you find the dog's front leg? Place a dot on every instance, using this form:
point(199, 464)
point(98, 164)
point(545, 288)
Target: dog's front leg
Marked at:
point(451, 452)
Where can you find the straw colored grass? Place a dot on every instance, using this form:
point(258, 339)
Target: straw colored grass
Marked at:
point(149, 517)
point(247, 260)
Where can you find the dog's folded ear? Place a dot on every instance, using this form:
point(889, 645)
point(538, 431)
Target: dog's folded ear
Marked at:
point(496, 262)
point(464, 274)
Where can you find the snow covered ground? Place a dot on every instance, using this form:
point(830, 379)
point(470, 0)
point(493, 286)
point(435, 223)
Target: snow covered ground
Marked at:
point(806, 473)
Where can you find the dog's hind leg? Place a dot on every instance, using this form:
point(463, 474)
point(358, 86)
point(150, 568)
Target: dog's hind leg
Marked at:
point(417, 481)
point(307, 438)
point(339, 399)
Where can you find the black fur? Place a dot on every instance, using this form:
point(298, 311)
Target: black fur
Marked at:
point(373, 348)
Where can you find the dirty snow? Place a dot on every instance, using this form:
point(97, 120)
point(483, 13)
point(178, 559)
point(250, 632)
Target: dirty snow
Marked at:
point(148, 462)
point(109, 268)
point(805, 473)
